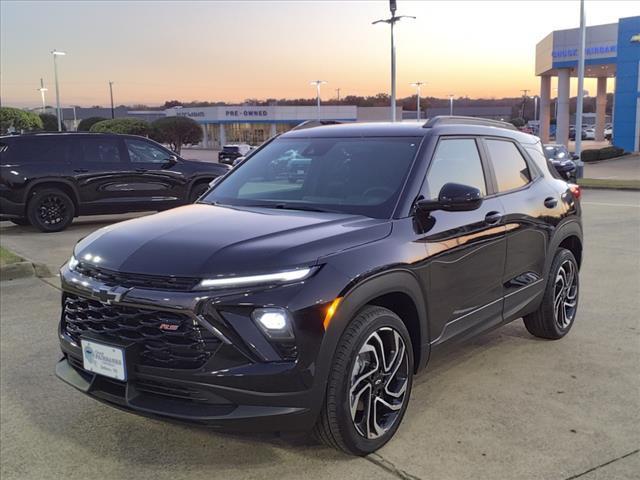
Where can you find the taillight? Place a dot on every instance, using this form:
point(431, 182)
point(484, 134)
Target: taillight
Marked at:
point(576, 191)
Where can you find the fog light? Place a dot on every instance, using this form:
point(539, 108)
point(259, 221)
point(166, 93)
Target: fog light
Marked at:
point(275, 322)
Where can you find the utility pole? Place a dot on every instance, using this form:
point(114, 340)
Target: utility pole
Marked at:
point(417, 85)
point(338, 92)
point(392, 21)
point(113, 114)
point(42, 90)
point(524, 100)
point(317, 83)
point(56, 54)
point(581, 92)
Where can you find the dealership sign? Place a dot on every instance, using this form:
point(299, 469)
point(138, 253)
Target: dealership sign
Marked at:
point(589, 51)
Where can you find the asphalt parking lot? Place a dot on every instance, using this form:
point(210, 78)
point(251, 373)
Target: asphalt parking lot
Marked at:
point(503, 406)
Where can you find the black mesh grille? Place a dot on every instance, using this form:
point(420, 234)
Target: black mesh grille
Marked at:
point(188, 346)
point(155, 282)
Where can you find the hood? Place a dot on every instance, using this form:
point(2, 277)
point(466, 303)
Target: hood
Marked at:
point(200, 240)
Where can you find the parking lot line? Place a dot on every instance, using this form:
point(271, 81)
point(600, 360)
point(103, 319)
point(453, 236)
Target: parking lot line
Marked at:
point(611, 204)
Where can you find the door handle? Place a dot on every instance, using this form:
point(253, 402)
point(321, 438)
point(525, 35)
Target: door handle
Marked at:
point(141, 170)
point(80, 170)
point(492, 218)
point(550, 202)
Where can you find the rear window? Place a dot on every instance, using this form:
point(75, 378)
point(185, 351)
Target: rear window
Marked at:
point(35, 150)
point(231, 149)
point(509, 165)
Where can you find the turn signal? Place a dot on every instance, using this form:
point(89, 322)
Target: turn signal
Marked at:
point(331, 312)
point(576, 191)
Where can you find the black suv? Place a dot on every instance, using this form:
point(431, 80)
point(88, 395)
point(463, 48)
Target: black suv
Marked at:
point(281, 305)
point(48, 179)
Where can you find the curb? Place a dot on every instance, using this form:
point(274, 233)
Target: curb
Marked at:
point(13, 271)
point(602, 187)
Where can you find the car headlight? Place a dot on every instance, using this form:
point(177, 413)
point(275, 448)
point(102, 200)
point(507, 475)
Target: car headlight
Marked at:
point(286, 276)
point(72, 263)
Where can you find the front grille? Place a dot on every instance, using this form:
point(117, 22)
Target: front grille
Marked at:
point(112, 278)
point(169, 391)
point(189, 346)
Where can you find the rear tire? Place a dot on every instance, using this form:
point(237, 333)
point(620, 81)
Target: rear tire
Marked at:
point(557, 312)
point(50, 210)
point(369, 383)
point(22, 221)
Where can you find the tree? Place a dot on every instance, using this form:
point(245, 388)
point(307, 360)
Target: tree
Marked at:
point(50, 123)
point(518, 122)
point(16, 120)
point(130, 126)
point(176, 131)
point(172, 103)
point(86, 124)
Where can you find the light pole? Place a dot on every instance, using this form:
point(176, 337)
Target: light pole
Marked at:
point(317, 83)
point(55, 54)
point(111, 94)
point(418, 85)
point(580, 99)
point(451, 105)
point(535, 108)
point(392, 21)
point(338, 92)
point(42, 90)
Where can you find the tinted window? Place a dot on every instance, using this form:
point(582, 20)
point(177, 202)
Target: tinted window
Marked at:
point(455, 161)
point(101, 150)
point(350, 175)
point(145, 152)
point(36, 150)
point(508, 164)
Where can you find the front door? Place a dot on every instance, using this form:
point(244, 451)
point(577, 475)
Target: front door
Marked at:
point(157, 181)
point(466, 250)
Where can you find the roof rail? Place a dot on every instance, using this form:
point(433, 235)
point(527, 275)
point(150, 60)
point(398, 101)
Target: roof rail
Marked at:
point(315, 123)
point(460, 120)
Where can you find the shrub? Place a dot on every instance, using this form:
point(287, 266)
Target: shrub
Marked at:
point(50, 123)
point(518, 122)
point(130, 126)
point(176, 131)
point(601, 154)
point(86, 124)
point(14, 119)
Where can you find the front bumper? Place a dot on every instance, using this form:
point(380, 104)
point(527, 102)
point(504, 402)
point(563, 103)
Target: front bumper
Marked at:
point(246, 385)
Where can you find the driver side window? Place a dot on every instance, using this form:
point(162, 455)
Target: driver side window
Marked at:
point(456, 160)
point(144, 152)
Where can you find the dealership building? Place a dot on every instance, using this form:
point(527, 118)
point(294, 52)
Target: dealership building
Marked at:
point(254, 124)
point(612, 51)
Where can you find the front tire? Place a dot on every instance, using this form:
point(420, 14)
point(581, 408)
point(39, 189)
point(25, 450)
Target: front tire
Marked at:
point(369, 383)
point(50, 210)
point(197, 191)
point(557, 312)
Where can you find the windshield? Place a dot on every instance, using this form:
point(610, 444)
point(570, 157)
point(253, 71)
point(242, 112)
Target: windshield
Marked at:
point(362, 176)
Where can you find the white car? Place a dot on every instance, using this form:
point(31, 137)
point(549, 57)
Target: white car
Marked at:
point(608, 132)
point(589, 134)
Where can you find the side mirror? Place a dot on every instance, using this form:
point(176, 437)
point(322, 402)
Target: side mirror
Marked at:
point(453, 197)
point(170, 162)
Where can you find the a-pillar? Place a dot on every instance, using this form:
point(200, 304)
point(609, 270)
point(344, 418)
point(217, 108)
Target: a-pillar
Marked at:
point(601, 108)
point(545, 107)
point(562, 122)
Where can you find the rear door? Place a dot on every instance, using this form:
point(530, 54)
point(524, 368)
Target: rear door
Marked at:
point(103, 174)
point(528, 204)
point(157, 179)
point(466, 250)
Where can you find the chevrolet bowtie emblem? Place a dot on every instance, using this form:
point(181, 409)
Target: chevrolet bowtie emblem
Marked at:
point(109, 295)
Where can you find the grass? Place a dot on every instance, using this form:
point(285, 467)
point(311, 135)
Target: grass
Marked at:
point(609, 183)
point(7, 257)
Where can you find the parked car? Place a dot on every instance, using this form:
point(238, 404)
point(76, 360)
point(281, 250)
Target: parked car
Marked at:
point(312, 305)
point(608, 132)
point(47, 179)
point(589, 133)
point(230, 152)
point(560, 158)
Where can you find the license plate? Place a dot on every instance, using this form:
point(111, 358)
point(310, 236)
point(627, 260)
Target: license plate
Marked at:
point(103, 359)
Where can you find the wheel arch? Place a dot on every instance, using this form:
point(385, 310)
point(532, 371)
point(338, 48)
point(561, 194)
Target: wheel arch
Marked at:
point(397, 290)
point(63, 185)
point(569, 236)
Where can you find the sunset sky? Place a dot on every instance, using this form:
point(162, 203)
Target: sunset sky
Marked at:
point(155, 51)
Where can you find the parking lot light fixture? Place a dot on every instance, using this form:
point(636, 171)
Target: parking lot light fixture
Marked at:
point(418, 85)
point(56, 54)
point(317, 83)
point(392, 21)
